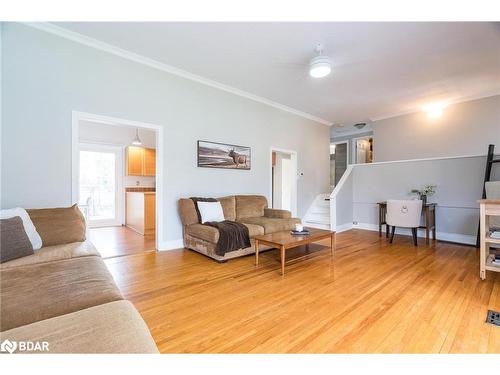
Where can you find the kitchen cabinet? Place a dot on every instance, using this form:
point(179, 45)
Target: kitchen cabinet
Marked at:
point(141, 161)
point(141, 212)
point(149, 162)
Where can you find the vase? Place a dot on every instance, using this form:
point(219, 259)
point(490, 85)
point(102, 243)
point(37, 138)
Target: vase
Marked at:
point(424, 199)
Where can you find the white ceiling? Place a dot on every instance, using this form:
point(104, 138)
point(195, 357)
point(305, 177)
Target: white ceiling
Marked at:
point(379, 69)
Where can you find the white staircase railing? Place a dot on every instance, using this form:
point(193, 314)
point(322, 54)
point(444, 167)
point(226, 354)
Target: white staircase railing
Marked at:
point(341, 195)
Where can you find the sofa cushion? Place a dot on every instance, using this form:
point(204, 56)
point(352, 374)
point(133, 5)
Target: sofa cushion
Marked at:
point(254, 229)
point(250, 206)
point(58, 226)
point(114, 327)
point(204, 232)
point(211, 234)
point(229, 207)
point(271, 225)
point(14, 242)
point(276, 213)
point(42, 291)
point(56, 252)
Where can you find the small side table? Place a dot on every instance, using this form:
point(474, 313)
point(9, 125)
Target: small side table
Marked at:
point(428, 211)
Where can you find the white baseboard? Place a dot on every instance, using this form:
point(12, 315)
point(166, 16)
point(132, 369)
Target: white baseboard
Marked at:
point(343, 227)
point(170, 245)
point(443, 236)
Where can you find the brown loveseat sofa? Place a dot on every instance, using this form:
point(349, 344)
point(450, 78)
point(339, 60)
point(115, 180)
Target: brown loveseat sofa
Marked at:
point(250, 210)
point(64, 295)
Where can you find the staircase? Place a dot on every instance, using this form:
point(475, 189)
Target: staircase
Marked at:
point(318, 215)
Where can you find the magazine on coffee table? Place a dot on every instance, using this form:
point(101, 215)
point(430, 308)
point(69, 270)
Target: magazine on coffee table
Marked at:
point(298, 233)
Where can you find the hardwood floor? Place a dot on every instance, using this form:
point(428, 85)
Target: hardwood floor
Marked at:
point(119, 241)
point(372, 298)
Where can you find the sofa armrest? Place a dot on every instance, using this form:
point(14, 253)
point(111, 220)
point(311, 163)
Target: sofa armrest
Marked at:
point(277, 214)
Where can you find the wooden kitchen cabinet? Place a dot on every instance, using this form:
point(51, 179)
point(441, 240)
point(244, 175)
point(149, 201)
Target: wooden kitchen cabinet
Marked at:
point(141, 212)
point(141, 161)
point(149, 162)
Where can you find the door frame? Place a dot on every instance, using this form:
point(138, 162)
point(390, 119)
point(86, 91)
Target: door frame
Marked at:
point(355, 148)
point(119, 168)
point(76, 117)
point(348, 151)
point(348, 155)
point(294, 160)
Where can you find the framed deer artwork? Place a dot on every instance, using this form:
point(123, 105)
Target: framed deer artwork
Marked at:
point(221, 155)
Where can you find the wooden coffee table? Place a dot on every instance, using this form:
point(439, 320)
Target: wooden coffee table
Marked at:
point(285, 240)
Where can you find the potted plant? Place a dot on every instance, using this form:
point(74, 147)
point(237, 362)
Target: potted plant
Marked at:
point(424, 193)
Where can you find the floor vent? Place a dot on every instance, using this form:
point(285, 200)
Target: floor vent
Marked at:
point(493, 317)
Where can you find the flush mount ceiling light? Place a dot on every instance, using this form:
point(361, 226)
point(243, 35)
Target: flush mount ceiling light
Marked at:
point(136, 141)
point(435, 110)
point(320, 66)
point(360, 125)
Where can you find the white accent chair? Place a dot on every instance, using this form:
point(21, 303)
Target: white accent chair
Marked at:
point(405, 214)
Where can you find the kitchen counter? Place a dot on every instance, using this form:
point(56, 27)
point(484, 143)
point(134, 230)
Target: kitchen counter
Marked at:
point(141, 211)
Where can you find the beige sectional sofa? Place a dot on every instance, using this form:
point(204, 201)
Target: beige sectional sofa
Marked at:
point(250, 210)
point(64, 295)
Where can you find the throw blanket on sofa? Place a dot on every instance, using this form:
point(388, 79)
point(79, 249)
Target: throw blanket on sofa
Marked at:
point(232, 235)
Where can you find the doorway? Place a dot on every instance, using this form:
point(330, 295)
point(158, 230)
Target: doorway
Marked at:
point(339, 154)
point(363, 150)
point(284, 180)
point(106, 181)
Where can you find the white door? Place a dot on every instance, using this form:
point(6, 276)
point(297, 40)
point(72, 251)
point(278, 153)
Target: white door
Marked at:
point(101, 195)
point(286, 181)
point(361, 151)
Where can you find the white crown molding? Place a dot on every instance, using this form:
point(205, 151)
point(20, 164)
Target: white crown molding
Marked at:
point(451, 102)
point(94, 43)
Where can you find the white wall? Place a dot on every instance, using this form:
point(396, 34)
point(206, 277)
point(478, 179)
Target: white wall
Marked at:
point(464, 129)
point(122, 136)
point(46, 77)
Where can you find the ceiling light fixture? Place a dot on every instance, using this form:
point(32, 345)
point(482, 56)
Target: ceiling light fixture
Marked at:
point(136, 141)
point(320, 66)
point(435, 110)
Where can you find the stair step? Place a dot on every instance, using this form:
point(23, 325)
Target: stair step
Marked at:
point(319, 210)
point(319, 226)
point(312, 221)
point(322, 214)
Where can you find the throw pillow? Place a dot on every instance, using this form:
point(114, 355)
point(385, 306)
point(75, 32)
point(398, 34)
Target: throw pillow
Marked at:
point(59, 225)
point(210, 211)
point(29, 228)
point(14, 242)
